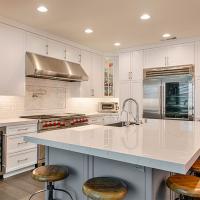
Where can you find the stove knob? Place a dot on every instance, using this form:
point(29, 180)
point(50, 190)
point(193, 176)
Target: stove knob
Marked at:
point(78, 120)
point(50, 124)
point(75, 121)
point(54, 123)
point(72, 122)
point(58, 123)
point(62, 124)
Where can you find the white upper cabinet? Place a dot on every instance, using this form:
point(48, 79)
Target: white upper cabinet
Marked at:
point(155, 57)
point(131, 66)
point(124, 66)
point(137, 66)
point(93, 66)
point(182, 54)
point(73, 54)
point(37, 44)
point(86, 63)
point(97, 75)
point(47, 47)
point(12, 61)
point(173, 55)
point(56, 50)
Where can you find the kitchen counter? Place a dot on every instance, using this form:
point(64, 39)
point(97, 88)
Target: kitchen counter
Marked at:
point(16, 121)
point(98, 114)
point(160, 144)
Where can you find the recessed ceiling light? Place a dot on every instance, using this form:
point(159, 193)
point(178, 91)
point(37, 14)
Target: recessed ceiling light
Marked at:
point(117, 44)
point(42, 9)
point(166, 35)
point(145, 17)
point(88, 30)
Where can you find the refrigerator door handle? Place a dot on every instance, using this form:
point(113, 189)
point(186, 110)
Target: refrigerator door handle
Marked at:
point(161, 102)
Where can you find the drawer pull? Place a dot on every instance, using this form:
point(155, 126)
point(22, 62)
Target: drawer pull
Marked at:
point(22, 129)
point(20, 143)
point(22, 160)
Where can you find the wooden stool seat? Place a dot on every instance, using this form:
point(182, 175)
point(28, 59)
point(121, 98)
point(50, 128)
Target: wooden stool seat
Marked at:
point(196, 167)
point(186, 185)
point(50, 173)
point(105, 188)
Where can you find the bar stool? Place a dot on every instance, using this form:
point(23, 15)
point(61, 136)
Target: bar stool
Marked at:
point(187, 186)
point(105, 188)
point(196, 168)
point(50, 174)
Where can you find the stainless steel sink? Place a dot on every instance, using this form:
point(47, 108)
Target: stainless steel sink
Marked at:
point(119, 124)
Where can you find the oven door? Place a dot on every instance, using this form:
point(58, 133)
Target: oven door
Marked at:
point(2, 150)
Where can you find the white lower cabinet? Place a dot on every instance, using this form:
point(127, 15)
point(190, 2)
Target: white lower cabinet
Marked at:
point(104, 120)
point(16, 143)
point(20, 160)
point(20, 155)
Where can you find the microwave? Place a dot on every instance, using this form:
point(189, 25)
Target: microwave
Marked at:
point(106, 107)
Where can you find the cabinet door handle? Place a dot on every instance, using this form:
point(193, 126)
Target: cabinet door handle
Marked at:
point(80, 58)
point(92, 92)
point(22, 129)
point(20, 143)
point(131, 75)
point(47, 49)
point(65, 52)
point(22, 160)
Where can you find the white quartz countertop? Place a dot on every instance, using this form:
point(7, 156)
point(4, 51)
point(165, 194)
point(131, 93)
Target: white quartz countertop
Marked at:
point(98, 114)
point(161, 144)
point(16, 121)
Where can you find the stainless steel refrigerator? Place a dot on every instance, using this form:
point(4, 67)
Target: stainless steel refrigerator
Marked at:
point(168, 93)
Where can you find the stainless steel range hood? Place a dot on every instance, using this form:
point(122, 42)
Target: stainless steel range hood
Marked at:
point(38, 66)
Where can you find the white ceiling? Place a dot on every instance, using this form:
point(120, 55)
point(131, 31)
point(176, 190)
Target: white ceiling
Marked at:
point(111, 20)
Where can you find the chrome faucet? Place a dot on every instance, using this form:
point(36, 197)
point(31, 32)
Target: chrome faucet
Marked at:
point(136, 118)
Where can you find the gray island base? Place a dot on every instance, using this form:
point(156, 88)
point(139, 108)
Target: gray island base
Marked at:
point(143, 183)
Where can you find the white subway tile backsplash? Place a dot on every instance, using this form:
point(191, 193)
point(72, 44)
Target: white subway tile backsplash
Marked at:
point(45, 96)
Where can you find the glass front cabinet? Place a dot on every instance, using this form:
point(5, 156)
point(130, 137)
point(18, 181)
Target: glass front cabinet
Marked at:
point(109, 76)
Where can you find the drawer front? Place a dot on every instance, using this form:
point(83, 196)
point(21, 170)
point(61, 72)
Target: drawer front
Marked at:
point(16, 143)
point(96, 120)
point(17, 161)
point(28, 128)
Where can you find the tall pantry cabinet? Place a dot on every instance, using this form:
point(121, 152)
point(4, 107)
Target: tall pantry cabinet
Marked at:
point(131, 78)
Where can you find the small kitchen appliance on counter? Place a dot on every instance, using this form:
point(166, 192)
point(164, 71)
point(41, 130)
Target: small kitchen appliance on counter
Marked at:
point(52, 122)
point(108, 107)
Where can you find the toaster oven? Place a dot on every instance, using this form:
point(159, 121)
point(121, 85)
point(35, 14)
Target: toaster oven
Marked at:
point(108, 107)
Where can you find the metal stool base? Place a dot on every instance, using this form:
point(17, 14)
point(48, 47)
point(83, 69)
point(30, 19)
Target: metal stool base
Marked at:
point(182, 197)
point(50, 189)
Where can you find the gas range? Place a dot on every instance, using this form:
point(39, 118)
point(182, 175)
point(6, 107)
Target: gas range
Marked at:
point(57, 121)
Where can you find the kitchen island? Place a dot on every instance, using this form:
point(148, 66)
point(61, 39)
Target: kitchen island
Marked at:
point(143, 156)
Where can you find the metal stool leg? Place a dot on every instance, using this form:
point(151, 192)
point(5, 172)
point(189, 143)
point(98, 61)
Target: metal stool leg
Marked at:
point(40, 191)
point(50, 188)
point(66, 192)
